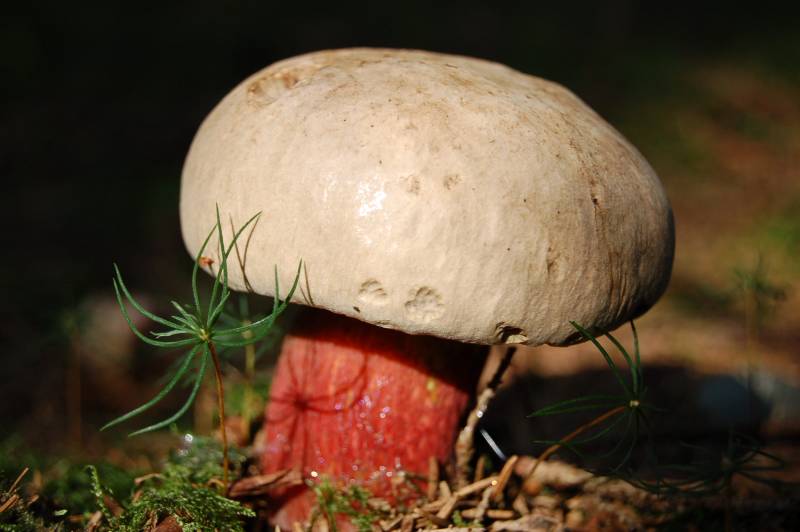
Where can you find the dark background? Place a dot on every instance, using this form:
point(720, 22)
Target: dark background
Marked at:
point(101, 100)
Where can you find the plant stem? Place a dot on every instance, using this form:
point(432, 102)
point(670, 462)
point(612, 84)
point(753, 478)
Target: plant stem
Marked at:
point(221, 406)
point(249, 374)
point(577, 432)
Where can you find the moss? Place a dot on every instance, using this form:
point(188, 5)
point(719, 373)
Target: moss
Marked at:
point(71, 490)
point(352, 502)
point(194, 507)
point(186, 490)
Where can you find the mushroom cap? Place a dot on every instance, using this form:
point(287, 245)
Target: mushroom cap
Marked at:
point(433, 194)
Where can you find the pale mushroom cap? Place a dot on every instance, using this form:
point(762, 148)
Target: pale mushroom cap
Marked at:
point(434, 194)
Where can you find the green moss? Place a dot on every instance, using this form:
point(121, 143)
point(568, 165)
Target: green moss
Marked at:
point(65, 490)
point(194, 507)
point(186, 490)
point(200, 461)
point(71, 488)
point(352, 502)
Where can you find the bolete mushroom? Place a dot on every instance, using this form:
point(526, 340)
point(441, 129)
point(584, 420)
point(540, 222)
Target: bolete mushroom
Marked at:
point(439, 203)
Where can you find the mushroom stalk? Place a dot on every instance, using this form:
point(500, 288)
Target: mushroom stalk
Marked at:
point(355, 403)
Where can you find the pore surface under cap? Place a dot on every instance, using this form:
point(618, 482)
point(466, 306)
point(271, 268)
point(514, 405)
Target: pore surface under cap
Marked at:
point(433, 194)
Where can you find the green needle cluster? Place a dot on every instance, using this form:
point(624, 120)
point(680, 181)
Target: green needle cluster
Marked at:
point(712, 470)
point(627, 409)
point(195, 326)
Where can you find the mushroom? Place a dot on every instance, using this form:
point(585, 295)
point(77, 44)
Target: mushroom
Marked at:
point(440, 204)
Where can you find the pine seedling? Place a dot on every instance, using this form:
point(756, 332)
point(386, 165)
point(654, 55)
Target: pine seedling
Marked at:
point(195, 328)
point(628, 409)
point(712, 471)
point(760, 295)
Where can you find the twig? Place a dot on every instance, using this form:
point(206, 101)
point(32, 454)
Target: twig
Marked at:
point(10, 502)
point(476, 486)
point(239, 257)
point(519, 505)
point(307, 292)
point(480, 468)
point(138, 480)
point(94, 521)
point(465, 447)
point(19, 478)
point(459, 529)
point(497, 378)
point(438, 519)
point(492, 513)
point(433, 477)
point(391, 524)
point(480, 510)
point(13, 498)
point(444, 489)
point(460, 494)
point(407, 524)
point(502, 480)
point(444, 507)
point(445, 511)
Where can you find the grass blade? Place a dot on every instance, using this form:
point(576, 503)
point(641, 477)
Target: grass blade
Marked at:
point(600, 433)
point(187, 359)
point(140, 309)
point(263, 326)
point(172, 419)
point(221, 279)
point(610, 361)
point(267, 321)
point(620, 441)
point(157, 343)
point(186, 325)
point(636, 354)
point(223, 270)
point(631, 366)
point(212, 318)
point(195, 293)
point(173, 332)
point(185, 317)
point(577, 404)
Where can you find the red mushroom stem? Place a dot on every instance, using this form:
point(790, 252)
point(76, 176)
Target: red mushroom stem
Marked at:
point(356, 403)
